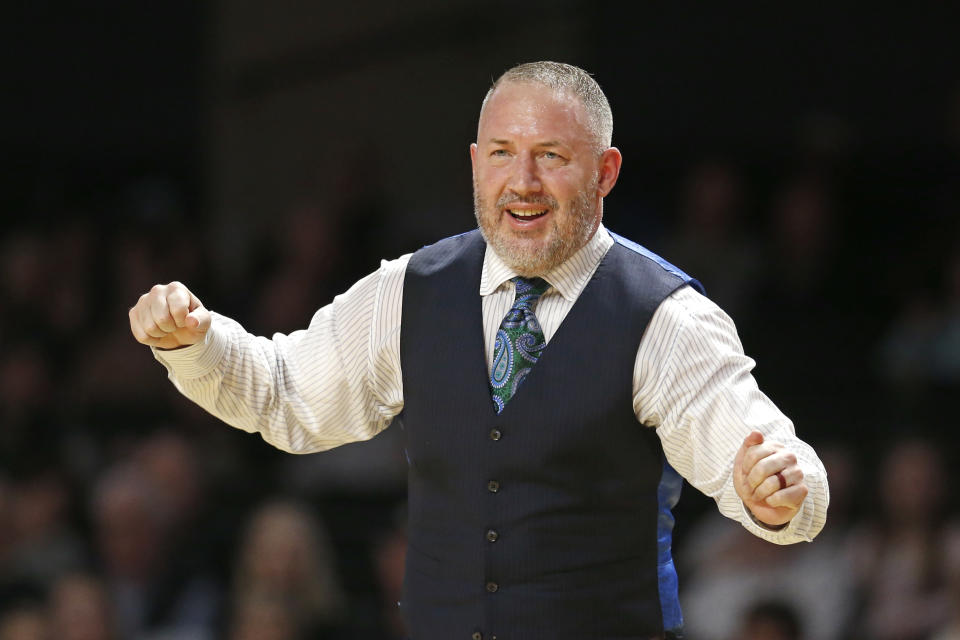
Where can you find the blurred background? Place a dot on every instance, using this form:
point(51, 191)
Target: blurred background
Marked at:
point(803, 162)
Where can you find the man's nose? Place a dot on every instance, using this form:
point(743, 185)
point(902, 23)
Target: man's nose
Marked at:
point(526, 176)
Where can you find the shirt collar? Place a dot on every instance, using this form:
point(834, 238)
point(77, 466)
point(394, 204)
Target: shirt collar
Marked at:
point(568, 278)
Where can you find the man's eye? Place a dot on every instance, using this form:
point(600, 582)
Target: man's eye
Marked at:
point(550, 155)
point(499, 152)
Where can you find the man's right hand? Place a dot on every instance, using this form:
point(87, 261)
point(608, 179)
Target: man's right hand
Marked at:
point(169, 316)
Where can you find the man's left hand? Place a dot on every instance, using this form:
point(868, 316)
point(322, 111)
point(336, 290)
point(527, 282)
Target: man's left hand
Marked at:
point(768, 480)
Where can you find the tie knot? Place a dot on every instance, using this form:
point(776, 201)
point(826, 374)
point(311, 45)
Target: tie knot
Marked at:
point(529, 290)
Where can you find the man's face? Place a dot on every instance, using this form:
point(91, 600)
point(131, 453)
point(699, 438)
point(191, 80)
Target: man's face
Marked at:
point(538, 177)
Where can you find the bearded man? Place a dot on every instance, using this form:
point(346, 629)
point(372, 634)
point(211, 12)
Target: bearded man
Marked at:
point(541, 509)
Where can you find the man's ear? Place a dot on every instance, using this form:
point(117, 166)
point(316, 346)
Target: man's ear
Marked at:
point(610, 162)
point(473, 158)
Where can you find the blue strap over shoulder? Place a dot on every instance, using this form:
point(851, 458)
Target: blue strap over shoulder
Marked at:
point(667, 266)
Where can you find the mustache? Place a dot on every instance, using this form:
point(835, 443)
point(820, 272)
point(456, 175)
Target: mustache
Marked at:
point(515, 198)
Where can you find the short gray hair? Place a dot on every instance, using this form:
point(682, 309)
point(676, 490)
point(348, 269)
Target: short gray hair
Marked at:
point(568, 78)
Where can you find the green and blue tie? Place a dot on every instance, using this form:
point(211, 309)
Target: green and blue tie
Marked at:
point(519, 341)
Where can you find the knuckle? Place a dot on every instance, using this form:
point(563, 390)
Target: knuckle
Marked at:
point(761, 493)
point(158, 306)
point(158, 289)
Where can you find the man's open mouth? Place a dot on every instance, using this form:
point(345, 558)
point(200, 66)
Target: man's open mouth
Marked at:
point(527, 214)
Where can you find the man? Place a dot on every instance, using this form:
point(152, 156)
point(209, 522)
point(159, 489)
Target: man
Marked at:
point(540, 511)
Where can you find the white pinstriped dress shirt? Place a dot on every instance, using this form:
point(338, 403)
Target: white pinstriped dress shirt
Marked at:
point(339, 380)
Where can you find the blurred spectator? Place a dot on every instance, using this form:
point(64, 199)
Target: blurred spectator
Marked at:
point(946, 347)
point(727, 571)
point(804, 237)
point(711, 241)
point(68, 305)
point(23, 272)
point(304, 253)
point(265, 615)
point(44, 543)
point(186, 595)
point(951, 629)
point(80, 609)
point(169, 463)
point(24, 621)
point(128, 537)
point(286, 567)
point(21, 611)
point(903, 558)
point(906, 351)
point(922, 346)
point(25, 393)
point(806, 314)
point(148, 587)
point(770, 620)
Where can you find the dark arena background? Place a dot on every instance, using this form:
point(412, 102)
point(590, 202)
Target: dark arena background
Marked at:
point(802, 162)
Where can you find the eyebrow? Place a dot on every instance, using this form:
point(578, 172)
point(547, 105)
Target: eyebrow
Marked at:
point(548, 143)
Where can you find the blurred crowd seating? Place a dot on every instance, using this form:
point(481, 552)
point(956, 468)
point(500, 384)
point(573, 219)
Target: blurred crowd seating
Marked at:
point(128, 513)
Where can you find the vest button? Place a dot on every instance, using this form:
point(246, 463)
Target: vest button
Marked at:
point(492, 587)
point(477, 636)
point(492, 536)
point(493, 486)
point(495, 434)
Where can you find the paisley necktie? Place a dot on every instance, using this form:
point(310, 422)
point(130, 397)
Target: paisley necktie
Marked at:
point(519, 341)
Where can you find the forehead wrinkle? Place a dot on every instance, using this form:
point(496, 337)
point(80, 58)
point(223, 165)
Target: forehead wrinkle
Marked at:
point(528, 111)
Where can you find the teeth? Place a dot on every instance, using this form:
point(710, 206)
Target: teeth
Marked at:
point(526, 213)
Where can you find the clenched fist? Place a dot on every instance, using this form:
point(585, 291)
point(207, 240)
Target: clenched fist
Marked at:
point(169, 316)
point(768, 480)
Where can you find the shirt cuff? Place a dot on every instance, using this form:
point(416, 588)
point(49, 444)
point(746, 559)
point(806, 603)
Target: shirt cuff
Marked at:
point(793, 531)
point(197, 360)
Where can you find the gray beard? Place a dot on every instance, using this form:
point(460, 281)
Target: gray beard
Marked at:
point(562, 242)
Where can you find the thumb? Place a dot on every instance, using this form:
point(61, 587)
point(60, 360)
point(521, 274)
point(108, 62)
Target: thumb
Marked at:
point(754, 438)
point(198, 320)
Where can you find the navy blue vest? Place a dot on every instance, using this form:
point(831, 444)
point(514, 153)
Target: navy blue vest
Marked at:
point(551, 520)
